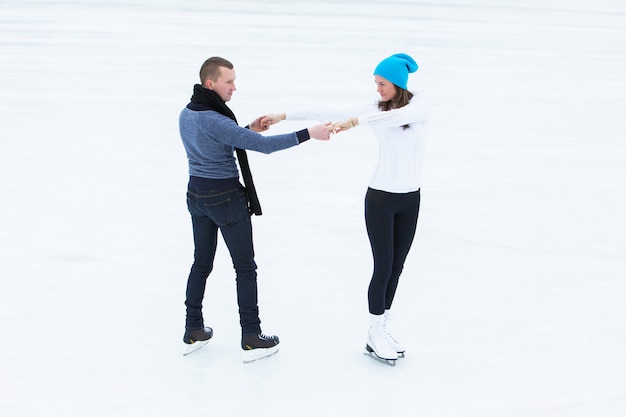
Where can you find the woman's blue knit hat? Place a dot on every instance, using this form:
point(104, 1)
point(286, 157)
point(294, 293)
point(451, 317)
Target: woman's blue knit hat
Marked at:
point(396, 69)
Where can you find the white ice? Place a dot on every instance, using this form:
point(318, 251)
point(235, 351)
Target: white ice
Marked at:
point(512, 302)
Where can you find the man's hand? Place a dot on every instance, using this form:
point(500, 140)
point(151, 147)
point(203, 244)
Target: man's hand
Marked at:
point(260, 124)
point(321, 132)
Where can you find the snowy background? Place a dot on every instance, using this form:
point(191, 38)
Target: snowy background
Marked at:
point(512, 299)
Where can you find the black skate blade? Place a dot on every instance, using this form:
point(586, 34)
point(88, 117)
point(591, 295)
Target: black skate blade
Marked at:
point(370, 352)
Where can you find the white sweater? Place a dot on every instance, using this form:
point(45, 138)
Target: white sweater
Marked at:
point(400, 156)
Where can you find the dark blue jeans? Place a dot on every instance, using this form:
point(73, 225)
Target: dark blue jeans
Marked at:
point(391, 221)
point(228, 212)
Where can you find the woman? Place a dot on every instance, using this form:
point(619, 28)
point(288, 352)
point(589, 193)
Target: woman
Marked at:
point(393, 198)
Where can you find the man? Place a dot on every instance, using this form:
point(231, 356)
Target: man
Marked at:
point(217, 200)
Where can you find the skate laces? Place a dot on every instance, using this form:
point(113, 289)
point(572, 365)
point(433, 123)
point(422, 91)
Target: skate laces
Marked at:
point(390, 336)
point(259, 340)
point(266, 338)
point(389, 326)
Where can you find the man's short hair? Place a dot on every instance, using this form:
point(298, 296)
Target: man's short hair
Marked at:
point(210, 70)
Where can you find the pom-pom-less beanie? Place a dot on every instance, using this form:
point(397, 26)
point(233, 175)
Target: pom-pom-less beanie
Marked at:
point(396, 69)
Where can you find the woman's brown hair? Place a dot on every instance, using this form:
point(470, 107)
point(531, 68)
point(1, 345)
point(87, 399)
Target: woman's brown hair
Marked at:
point(401, 99)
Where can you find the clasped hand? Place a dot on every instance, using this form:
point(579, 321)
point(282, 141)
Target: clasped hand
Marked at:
point(321, 132)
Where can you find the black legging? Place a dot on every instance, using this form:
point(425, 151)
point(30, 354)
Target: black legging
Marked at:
point(391, 220)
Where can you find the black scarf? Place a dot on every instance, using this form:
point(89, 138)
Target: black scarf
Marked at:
point(205, 99)
point(210, 100)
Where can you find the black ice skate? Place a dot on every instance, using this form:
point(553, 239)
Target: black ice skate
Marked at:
point(196, 338)
point(258, 346)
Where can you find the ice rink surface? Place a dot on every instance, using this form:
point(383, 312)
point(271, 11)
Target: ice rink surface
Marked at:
point(512, 300)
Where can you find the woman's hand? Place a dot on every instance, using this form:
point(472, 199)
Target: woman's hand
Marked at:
point(346, 124)
point(274, 118)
